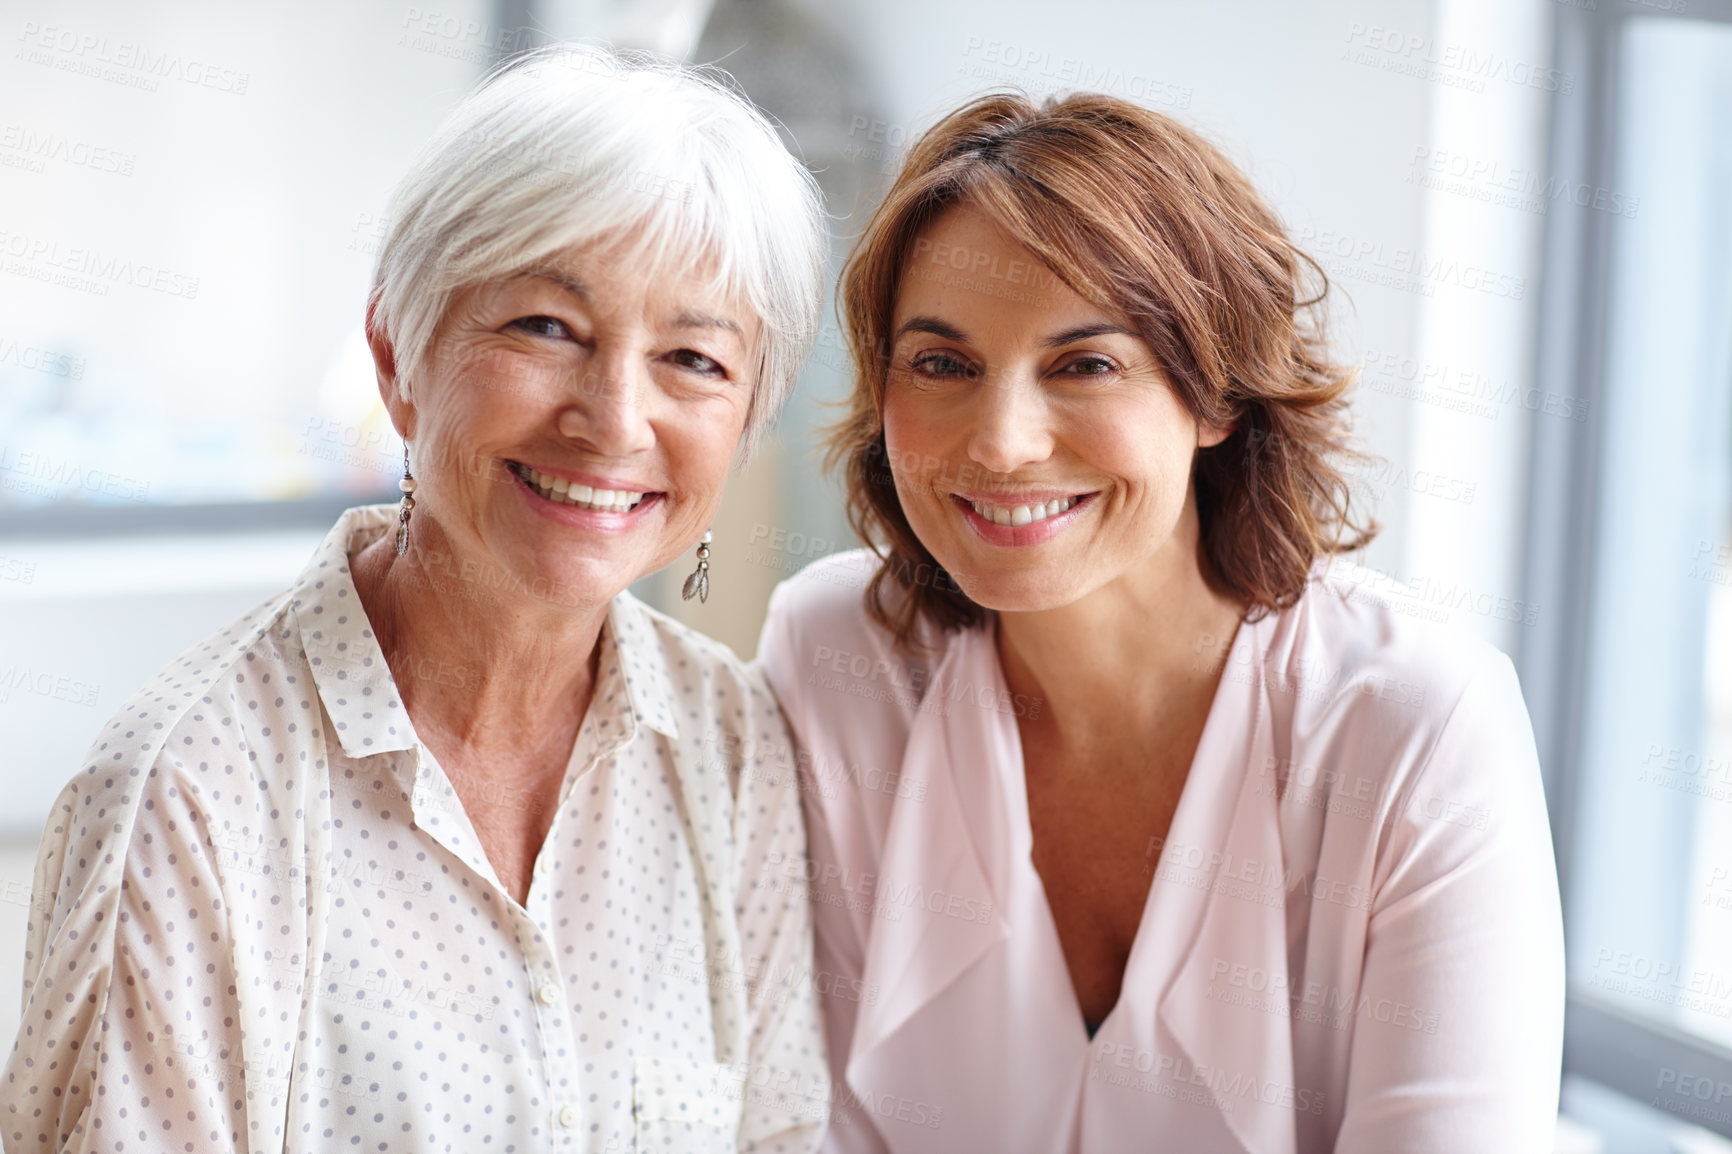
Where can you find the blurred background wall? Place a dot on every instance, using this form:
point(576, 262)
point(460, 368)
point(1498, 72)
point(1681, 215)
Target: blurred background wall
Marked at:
point(1523, 206)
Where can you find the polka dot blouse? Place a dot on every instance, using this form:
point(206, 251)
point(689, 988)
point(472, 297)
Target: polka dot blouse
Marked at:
point(262, 919)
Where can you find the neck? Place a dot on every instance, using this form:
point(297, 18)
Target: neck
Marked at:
point(489, 673)
point(1131, 649)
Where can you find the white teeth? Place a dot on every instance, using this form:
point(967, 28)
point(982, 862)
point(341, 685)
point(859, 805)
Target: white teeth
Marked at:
point(1019, 515)
point(567, 492)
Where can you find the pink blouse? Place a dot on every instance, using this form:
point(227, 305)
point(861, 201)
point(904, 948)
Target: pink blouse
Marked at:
point(1352, 941)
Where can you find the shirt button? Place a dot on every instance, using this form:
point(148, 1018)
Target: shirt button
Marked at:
point(547, 995)
point(568, 1116)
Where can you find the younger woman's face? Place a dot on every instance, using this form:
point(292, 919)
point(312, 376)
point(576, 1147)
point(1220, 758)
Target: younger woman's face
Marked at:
point(1037, 449)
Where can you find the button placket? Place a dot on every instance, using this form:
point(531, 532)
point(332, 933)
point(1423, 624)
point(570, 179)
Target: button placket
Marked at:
point(552, 1023)
point(535, 924)
point(536, 920)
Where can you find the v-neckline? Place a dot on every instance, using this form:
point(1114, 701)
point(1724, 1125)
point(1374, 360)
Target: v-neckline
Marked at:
point(1192, 810)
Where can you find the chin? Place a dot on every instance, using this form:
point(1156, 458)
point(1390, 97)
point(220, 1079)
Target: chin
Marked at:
point(1004, 593)
point(561, 578)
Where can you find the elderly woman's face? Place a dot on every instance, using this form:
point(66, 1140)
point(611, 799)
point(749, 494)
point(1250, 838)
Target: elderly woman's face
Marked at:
point(1037, 449)
point(575, 425)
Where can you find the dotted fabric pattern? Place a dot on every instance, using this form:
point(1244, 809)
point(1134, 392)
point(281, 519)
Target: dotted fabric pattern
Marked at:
point(262, 919)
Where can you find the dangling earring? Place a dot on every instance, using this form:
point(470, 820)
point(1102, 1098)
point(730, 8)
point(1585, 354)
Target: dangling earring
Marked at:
point(698, 584)
point(407, 506)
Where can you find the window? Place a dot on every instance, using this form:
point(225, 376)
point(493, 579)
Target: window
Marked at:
point(1631, 529)
point(192, 218)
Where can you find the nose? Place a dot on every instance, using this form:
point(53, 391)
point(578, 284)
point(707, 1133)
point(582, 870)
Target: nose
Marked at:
point(1009, 423)
point(606, 411)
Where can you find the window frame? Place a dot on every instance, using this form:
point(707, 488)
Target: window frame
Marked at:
point(1604, 1042)
point(103, 522)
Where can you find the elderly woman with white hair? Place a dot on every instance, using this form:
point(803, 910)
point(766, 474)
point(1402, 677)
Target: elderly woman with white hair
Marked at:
point(455, 845)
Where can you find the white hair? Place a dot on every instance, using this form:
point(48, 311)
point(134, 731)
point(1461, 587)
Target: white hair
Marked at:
point(576, 145)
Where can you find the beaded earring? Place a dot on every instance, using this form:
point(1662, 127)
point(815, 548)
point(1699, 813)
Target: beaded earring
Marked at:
point(407, 506)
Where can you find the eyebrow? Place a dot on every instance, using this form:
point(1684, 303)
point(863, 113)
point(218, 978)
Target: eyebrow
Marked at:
point(1087, 332)
point(949, 332)
point(932, 325)
point(689, 319)
point(697, 320)
point(569, 283)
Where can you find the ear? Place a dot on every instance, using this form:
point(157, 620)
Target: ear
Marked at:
point(1208, 436)
point(391, 392)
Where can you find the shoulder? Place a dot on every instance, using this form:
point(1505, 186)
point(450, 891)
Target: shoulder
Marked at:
point(178, 759)
point(724, 713)
point(818, 621)
point(1366, 645)
point(829, 595)
point(853, 699)
point(1388, 711)
point(190, 716)
point(700, 671)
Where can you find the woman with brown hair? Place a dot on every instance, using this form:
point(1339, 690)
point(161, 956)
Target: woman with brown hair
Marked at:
point(1130, 824)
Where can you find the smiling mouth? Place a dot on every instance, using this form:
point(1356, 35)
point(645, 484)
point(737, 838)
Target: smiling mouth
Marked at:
point(1018, 515)
point(563, 492)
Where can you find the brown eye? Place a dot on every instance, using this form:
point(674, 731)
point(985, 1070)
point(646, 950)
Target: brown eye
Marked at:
point(943, 365)
point(1090, 367)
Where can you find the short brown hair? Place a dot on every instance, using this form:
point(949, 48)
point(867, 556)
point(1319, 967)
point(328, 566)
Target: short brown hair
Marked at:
point(1137, 213)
